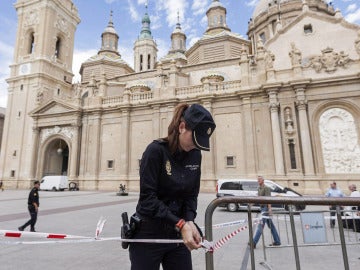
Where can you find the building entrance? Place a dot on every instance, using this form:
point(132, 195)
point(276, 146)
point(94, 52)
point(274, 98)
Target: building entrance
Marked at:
point(56, 158)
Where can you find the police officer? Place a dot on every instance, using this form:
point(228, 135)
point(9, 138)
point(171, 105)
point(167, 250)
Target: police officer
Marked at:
point(169, 188)
point(33, 206)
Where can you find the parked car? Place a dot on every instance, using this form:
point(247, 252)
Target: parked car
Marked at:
point(248, 187)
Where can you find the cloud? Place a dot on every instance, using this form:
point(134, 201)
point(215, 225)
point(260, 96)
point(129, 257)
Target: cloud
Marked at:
point(251, 3)
point(351, 8)
point(353, 17)
point(79, 58)
point(171, 8)
point(199, 7)
point(127, 55)
point(155, 22)
point(3, 91)
point(163, 48)
point(6, 53)
point(135, 17)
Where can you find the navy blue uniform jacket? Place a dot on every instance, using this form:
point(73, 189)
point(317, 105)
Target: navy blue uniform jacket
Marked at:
point(169, 184)
point(33, 197)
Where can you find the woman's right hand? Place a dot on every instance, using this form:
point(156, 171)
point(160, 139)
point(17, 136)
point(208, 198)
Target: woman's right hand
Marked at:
point(191, 236)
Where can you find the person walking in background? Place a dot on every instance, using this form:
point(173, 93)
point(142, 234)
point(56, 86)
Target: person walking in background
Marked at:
point(170, 172)
point(266, 212)
point(33, 207)
point(1, 185)
point(333, 192)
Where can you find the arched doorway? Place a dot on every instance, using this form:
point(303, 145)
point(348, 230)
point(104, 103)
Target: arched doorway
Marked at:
point(56, 159)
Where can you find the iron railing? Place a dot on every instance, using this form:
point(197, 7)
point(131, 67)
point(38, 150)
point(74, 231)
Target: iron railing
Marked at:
point(344, 201)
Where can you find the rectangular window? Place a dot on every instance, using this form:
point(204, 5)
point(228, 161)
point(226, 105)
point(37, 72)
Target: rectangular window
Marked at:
point(148, 63)
point(292, 153)
point(230, 161)
point(21, 87)
point(308, 29)
point(110, 164)
point(12, 173)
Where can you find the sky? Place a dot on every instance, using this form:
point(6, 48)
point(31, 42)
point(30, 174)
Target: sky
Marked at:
point(127, 15)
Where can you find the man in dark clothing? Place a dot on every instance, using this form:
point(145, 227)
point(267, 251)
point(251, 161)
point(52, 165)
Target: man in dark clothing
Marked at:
point(33, 206)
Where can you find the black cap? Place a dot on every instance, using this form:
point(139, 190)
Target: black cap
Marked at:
point(201, 123)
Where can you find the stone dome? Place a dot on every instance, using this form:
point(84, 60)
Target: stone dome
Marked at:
point(263, 5)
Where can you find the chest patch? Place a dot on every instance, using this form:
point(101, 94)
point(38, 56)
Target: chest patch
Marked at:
point(192, 167)
point(168, 167)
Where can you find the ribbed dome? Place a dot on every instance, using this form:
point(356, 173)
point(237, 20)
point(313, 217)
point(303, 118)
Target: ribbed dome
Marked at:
point(216, 3)
point(263, 5)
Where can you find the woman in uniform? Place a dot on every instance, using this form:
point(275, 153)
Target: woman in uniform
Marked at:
point(169, 187)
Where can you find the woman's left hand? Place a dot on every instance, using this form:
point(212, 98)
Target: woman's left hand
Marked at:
point(191, 236)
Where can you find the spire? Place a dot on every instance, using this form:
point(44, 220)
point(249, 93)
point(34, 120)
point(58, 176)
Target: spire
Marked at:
point(178, 38)
point(109, 38)
point(111, 24)
point(145, 48)
point(178, 21)
point(145, 30)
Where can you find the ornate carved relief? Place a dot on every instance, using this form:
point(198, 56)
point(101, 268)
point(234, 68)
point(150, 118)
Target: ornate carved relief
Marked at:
point(357, 44)
point(61, 24)
point(328, 60)
point(269, 60)
point(274, 103)
point(31, 18)
point(289, 123)
point(67, 132)
point(39, 96)
point(77, 90)
point(301, 101)
point(295, 55)
point(339, 140)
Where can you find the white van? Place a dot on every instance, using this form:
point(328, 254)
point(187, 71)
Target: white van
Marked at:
point(54, 182)
point(249, 187)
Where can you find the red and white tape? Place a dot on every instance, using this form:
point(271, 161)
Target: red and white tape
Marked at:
point(226, 238)
point(18, 234)
point(66, 238)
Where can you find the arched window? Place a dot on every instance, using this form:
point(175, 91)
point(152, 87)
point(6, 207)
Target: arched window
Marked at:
point(262, 37)
point(31, 43)
point(215, 20)
point(148, 62)
point(141, 62)
point(58, 48)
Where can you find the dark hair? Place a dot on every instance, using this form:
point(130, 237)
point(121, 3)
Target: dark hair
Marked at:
point(173, 128)
point(36, 182)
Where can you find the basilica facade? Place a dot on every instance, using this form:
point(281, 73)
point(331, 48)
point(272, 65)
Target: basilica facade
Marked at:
point(286, 100)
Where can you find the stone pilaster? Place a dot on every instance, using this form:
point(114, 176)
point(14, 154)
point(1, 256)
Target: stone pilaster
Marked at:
point(301, 105)
point(276, 132)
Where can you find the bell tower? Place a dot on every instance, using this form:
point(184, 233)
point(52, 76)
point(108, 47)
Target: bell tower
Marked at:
point(42, 67)
point(145, 48)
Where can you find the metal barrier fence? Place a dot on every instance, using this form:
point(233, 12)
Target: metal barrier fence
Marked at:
point(289, 201)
